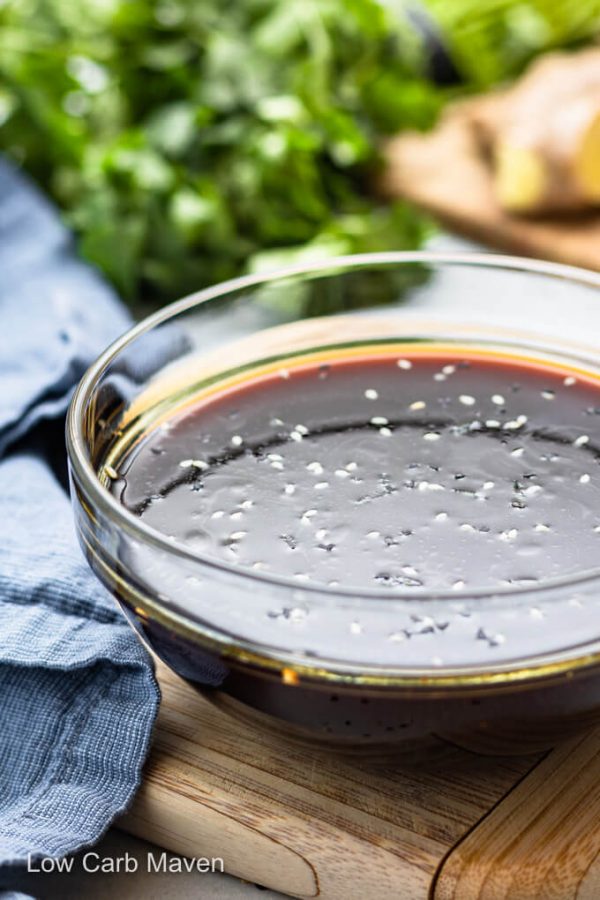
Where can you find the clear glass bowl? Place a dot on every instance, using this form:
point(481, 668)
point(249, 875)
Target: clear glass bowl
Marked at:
point(321, 661)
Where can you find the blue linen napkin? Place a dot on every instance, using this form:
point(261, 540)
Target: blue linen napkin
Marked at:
point(78, 697)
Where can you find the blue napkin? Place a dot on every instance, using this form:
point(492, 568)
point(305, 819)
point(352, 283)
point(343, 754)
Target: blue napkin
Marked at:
point(78, 697)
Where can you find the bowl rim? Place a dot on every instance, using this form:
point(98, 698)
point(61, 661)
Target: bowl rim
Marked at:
point(86, 476)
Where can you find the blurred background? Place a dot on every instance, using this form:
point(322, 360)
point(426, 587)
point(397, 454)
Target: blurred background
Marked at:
point(187, 141)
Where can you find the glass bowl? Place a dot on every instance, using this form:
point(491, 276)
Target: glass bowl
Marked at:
point(322, 662)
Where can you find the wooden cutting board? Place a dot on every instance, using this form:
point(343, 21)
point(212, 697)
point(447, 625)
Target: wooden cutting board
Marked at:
point(310, 823)
point(444, 172)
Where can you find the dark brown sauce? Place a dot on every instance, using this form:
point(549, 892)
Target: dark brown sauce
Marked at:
point(422, 473)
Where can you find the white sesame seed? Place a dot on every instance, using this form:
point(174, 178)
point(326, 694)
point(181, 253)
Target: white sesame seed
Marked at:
point(518, 451)
point(276, 422)
point(536, 613)
point(466, 526)
point(385, 432)
point(258, 565)
point(379, 420)
point(467, 400)
point(404, 364)
point(441, 516)
point(236, 515)
point(351, 466)
point(341, 473)
point(321, 534)
point(492, 423)
point(309, 513)
point(295, 436)
point(355, 628)
point(418, 404)
point(509, 535)
point(541, 527)
point(585, 479)
point(184, 464)
point(548, 395)
point(396, 637)
point(410, 570)
point(458, 585)
point(498, 399)
point(302, 429)
point(277, 465)
point(371, 394)
point(439, 376)
point(373, 535)
point(246, 504)
point(290, 489)
point(284, 373)
point(315, 467)
point(581, 440)
point(569, 381)
point(432, 436)
point(237, 535)
point(275, 457)
point(218, 514)
point(321, 485)
point(237, 440)
point(449, 370)
point(488, 485)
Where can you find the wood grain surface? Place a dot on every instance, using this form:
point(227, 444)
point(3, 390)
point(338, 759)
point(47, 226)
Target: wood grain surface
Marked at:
point(444, 172)
point(302, 820)
point(310, 822)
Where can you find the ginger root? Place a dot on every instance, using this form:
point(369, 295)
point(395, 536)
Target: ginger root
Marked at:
point(543, 135)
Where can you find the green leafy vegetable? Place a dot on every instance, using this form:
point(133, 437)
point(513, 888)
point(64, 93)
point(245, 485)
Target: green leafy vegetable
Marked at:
point(189, 140)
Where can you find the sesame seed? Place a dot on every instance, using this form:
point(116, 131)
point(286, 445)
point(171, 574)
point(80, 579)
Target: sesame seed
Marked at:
point(284, 373)
point(385, 432)
point(218, 514)
point(321, 485)
point(315, 467)
point(498, 399)
point(467, 400)
point(541, 527)
point(441, 516)
point(548, 395)
point(295, 436)
point(341, 473)
point(585, 479)
point(355, 628)
point(519, 451)
point(418, 404)
point(404, 364)
point(457, 585)
point(302, 429)
point(379, 420)
point(432, 436)
point(371, 394)
point(373, 534)
point(581, 440)
point(236, 515)
point(569, 381)
point(290, 489)
point(237, 535)
point(449, 370)
point(351, 466)
point(237, 440)
point(492, 423)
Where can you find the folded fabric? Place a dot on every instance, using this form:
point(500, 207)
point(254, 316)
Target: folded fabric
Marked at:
point(78, 697)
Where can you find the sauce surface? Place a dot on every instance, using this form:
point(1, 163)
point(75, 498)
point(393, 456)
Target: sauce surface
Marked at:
point(417, 472)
